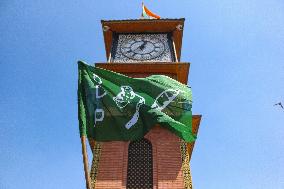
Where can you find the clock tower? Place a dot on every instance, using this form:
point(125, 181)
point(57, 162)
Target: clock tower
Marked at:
point(139, 48)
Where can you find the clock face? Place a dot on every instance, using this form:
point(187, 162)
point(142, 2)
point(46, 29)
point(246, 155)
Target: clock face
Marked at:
point(142, 48)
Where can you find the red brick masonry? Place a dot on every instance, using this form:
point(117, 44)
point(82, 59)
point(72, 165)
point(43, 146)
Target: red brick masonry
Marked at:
point(167, 163)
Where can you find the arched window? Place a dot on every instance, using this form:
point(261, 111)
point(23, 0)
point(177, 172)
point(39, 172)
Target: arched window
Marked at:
point(140, 165)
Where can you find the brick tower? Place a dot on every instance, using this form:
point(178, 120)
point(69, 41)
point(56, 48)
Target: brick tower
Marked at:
point(160, 160)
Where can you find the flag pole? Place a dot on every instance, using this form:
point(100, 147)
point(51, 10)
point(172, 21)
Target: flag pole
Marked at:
point(142, 17)
point(85, 161)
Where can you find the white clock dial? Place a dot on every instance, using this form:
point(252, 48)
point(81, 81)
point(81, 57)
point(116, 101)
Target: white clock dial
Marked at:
point(142, 48)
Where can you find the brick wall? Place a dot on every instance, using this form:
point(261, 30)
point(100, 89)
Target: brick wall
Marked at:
point(167, 172)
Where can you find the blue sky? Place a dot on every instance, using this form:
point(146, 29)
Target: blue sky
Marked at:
point(236, 50)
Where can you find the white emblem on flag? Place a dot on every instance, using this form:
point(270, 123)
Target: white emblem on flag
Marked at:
point(126, 96)
point(165, 98)
point(99, 113)
point(97, 79)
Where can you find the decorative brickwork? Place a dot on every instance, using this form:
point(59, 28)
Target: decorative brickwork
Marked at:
point(185, 166)
point(111, 166)
point(170, 162)
point(95, 164)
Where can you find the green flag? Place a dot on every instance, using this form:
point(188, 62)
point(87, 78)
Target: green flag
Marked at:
point(113, 106)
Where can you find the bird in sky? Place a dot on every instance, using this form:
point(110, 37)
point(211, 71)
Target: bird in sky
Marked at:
point(280, 104)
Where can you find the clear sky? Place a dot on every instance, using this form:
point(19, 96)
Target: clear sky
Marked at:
point(236, 50)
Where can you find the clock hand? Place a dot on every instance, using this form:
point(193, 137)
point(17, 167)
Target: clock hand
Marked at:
point(143, 45)
point(139, 46)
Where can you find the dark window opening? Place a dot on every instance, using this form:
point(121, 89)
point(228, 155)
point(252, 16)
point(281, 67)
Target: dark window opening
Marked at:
point(140, 165)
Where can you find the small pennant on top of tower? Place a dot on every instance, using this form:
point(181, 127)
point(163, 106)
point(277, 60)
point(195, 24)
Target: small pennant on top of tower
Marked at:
point(147, 14)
